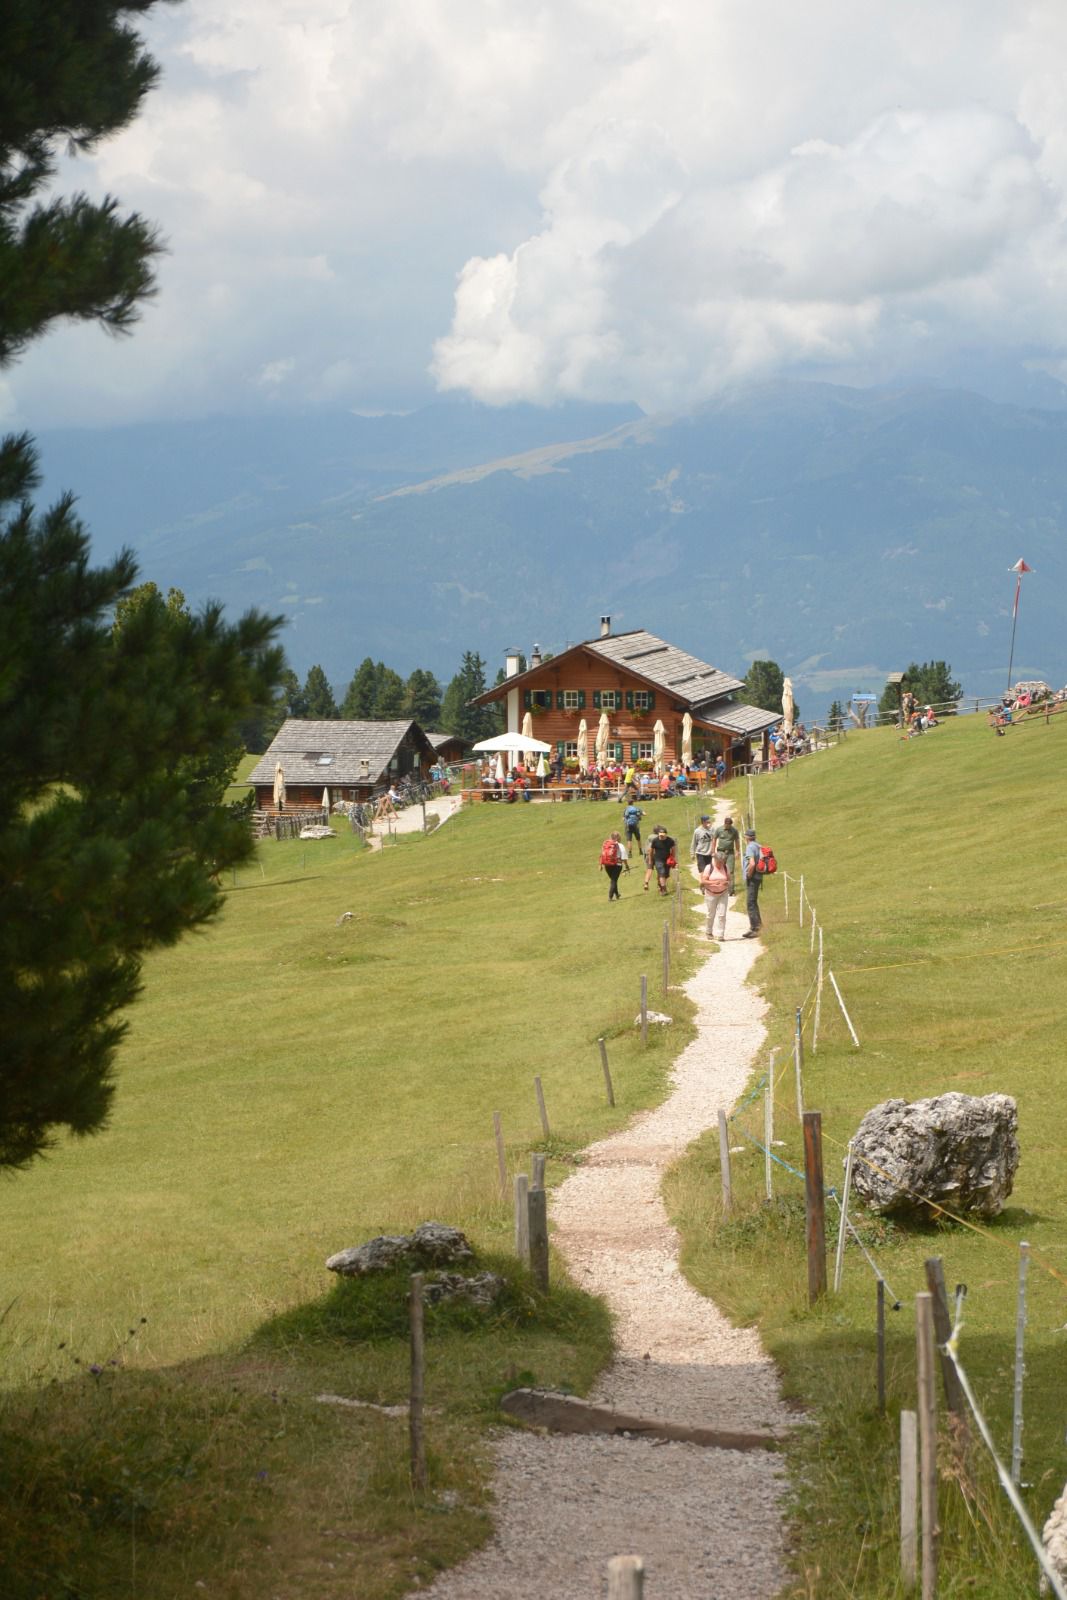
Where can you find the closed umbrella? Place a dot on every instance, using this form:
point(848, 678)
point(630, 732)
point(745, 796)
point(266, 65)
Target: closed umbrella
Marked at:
point(788, 705)
point(659, 745)
point(542, 770)
point(279, 786)
point(501, 771)
point(326, 801)
point(687, 740)
point(583, 746)
point(527, 733)
point(603, 734)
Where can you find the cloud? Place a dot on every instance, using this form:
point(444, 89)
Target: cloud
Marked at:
point(577, 198)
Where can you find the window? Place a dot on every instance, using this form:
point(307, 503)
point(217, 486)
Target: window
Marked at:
point(539, 698)
point(644, 750)
point(642, 699)
point(573, 699)
point(570, 748)
point(610, 699)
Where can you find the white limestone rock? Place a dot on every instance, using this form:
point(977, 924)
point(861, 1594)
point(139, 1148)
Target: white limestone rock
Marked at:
point(959, 1150)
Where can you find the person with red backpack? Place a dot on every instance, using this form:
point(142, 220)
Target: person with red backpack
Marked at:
point(753, 882)
point(612, 861)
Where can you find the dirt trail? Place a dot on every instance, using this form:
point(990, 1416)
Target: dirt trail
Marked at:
point(707, 1522)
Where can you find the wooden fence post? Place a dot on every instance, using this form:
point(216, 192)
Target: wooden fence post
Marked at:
point(644, 1009)
point(538, 1179)
point(839, 1258)
point(909, 1510)
point(540, 1093)
point(724, 1161)
point(418, 1383)
point(538, 1213)
point(924, 1340)
point(954, 1397)
point(1020, 1366)
point(607, 1072)
point(768, 1131)
point(626, 1578)
point(522, 1217)
point(666, 959)
point(814, 1205)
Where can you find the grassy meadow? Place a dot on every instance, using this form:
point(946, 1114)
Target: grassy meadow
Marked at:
point(937, 871)
point(293, 1083)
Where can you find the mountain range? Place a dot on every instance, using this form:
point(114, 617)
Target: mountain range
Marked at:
point(841, 532)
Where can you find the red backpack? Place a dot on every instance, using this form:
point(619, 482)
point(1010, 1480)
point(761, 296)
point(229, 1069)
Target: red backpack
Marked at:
point(609, 853)
point(766, 863)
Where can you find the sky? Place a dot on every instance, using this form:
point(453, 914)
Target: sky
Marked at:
point(368, 203)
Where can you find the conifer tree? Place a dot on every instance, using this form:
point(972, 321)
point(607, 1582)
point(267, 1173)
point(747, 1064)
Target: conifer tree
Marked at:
point(457, 715)
point(389, 695)
point(358, 703)
point(319, 703)
point(422, 698)
point(763, 685)
point(118, 709)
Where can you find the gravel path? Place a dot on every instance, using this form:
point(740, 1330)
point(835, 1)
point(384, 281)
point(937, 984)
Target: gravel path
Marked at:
point(707, 1522)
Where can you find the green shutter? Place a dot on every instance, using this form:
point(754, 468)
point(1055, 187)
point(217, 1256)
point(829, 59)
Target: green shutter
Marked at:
point(629, 699)
point(581, 699)
point(527, 700)
point(559, 747)
point(634, 750)
point(651, 700)
point(596, 699)
point(559, 699)
point(616, 751)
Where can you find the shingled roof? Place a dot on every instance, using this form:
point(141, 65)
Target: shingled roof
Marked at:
point(736, 717)
point(679, 674)
point(333, 752)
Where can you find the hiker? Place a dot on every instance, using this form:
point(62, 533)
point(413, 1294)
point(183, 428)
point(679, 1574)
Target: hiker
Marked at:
point(727, 842)
point(660, 858)
point(753, 880)
point(631, 817)
point(701, 846)
point(715, 883)
point(612, 860)
point(720, 771)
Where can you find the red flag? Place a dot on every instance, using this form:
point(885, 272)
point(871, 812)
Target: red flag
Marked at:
point(1020, 566)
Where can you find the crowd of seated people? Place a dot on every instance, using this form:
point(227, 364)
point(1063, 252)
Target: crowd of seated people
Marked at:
point(783, 745)
point(601, 779)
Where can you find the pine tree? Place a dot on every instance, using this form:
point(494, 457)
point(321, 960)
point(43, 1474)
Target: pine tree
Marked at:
point(320, 705)
point(457, 715)
point(422, 698)
point(763, 685)
point(118, 709)
point(358, 703)
point(389, 696)
point(932, 684)
point(835, 716)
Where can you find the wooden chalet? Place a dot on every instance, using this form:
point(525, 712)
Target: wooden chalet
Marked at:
point(637, 679)
point(451, 748)
point(352, 759)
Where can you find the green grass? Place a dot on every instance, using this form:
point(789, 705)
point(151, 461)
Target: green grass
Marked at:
point(937, 871)
point(292, 1084)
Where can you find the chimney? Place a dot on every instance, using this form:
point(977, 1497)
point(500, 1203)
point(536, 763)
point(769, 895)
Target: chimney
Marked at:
point(605, 627)
point(535, 656)
point(511, 663)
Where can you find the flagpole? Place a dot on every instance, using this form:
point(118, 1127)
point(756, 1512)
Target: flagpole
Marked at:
point(1019, 568)
point(1014, 620)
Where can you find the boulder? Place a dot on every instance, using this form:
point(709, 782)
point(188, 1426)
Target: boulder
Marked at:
point(959, 1150)
point(484, 1289)
point(433, 1244)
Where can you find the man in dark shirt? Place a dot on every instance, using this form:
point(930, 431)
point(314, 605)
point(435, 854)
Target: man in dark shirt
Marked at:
point(660, 848)
point(726, 842)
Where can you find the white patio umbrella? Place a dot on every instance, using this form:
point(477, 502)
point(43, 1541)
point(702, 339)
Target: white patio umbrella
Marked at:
point(603, 734)
point(527, 734)
point(509, 742)
point(659, 745)
point(687, 740)
point(788, 705)
point(583, 746)
point(501, 773)
point(542, 770)
point(279, 785)
point(326, 801)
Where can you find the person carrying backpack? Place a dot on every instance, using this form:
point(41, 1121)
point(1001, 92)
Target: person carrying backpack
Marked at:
point(700, 848)
point(753, 882)
point(715, 882)
point(726, 841)
point(631, 817)
point(612, 861)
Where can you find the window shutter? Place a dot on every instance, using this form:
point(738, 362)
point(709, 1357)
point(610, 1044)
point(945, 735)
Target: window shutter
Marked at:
point(635, 750)
point(581, 699)
point(616, 752)
point(629, 699)
point(559, 747)
point(651, 699)
point(596, 699)
point(527, 700)
point(559, 699)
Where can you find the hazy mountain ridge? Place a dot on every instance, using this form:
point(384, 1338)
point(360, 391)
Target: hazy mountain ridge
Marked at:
point(841, 531)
